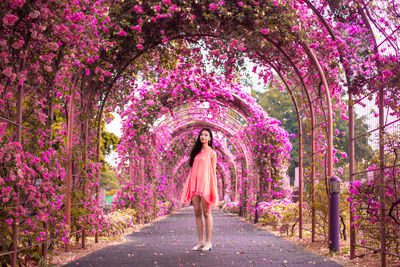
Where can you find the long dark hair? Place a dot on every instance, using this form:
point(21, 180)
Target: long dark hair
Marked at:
point(197, 146)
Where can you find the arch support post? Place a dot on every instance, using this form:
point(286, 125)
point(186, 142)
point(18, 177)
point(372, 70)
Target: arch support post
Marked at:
point(141, 171)
point(96, 236)
point(313, 220)
point(330, 128)
point(239, 172)
point(351, 175)
point(130, 175)
point(84, 158)
point(382, 192)
point(15, 232)
point(269, 185)
point(70, 133)
point(300, 180)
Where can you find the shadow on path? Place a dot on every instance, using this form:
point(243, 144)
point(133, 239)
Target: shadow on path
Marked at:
point(235, 243)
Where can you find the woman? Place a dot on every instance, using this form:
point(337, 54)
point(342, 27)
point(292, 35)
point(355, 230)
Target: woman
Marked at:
point(201, 186)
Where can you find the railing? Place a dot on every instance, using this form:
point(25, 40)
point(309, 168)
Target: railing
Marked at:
point(44, 243)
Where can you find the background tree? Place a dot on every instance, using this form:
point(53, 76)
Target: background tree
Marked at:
point(279, 105)
point(364, 152)
point(108, 144)
point(362, 145)
point(109, 180)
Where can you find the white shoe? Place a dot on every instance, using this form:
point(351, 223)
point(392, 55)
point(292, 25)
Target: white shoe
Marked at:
point(207, 247)
point(198, 246)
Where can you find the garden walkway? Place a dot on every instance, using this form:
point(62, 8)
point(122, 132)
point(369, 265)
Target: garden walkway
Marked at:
point(235, 243)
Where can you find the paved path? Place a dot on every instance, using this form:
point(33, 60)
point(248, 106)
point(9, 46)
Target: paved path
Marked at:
point(235, 243)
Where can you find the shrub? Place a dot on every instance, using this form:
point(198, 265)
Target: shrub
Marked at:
point(367, 214)
point(280, 214)
point(233, 207)
point(118, 220)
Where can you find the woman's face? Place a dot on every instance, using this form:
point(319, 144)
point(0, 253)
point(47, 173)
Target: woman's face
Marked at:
point(205, 137)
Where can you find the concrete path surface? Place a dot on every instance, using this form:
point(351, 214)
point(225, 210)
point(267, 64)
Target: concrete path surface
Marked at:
point(235, 243)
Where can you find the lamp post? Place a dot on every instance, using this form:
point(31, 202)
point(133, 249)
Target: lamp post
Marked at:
point(334, 213)
point(256, 215)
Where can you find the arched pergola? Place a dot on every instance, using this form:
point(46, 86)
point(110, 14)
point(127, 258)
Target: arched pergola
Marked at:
point(321, 51)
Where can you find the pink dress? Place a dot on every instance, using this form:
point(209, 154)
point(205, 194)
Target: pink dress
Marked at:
point(201, 179)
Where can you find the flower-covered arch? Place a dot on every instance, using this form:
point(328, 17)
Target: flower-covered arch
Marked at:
point(267, 151)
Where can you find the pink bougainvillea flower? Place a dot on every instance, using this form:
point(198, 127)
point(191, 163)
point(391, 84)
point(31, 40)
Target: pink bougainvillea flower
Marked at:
point(386, 73)
point(48, 68)
point(9, 20)
point(7, 72)
point(18, 3)
point(157, 8)
point(18, 44)
point(213, 6)
point(53, 46)
point(122, 33)
point(138, 9)
point(34, 14)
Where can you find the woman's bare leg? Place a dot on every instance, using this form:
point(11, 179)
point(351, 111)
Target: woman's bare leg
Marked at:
point(208, 219)
point(199, 218)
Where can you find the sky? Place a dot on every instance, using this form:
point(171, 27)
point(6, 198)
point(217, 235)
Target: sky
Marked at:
point(114, 127)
